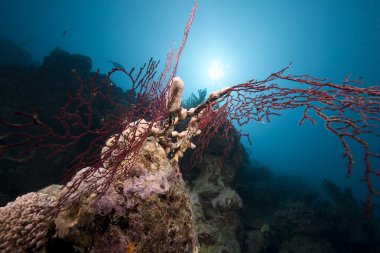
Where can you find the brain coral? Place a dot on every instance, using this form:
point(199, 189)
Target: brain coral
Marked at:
point(25, 223)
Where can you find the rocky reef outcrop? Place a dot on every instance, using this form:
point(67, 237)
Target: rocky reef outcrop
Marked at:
point(215, 203)
point(149, 212)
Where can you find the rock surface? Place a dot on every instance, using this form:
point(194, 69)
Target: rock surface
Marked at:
point(149, 212)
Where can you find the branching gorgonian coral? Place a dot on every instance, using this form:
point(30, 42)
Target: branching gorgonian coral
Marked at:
point(349, 111)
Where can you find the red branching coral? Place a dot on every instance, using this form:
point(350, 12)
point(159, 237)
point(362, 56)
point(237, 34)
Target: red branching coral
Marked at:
point(152, 103)
point(348, 110)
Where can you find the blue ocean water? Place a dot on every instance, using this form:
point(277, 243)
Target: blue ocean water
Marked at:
point(230, 42)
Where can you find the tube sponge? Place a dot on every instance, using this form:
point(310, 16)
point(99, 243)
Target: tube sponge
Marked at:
point(175, 94)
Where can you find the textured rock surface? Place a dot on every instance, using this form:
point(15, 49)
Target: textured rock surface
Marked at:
point(215, 204)
point(227, 200)
point(25, 223)
point(149, 211)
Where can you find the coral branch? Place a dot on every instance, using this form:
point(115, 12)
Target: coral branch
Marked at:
point(348, 111)
point(153, 110)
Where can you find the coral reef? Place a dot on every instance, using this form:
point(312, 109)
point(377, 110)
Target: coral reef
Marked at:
point(227, 200)
point(26, 224)
point(297, 218)
point(148, 212)
point(149, 209)
point(215, 204)
point(128, 195)
point(350, 231)
point(307, 223)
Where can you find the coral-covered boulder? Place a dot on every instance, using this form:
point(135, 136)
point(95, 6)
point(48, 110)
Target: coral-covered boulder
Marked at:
point(147, 212)
point(26, 224)
point(227, 200)
point(215, 204)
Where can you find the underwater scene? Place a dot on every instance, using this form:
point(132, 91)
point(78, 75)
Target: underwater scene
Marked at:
point(213, 126)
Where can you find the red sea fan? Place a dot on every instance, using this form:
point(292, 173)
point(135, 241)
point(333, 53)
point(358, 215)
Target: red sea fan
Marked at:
point(349, 110)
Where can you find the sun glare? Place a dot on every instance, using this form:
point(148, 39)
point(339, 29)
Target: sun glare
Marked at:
point(216, 71)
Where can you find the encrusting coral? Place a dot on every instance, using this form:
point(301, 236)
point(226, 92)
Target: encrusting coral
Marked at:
point(150, 209)
point(132, 195)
